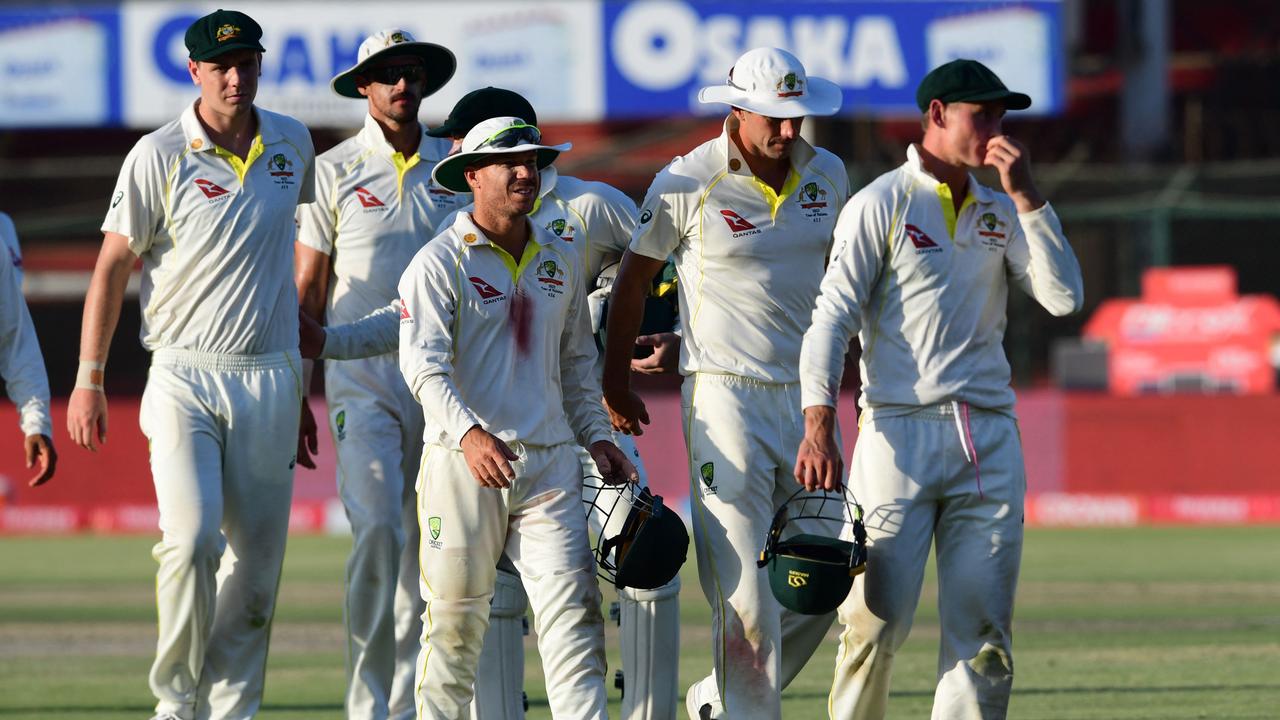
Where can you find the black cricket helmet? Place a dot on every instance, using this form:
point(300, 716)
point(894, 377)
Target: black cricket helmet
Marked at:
point(642, 542)
point(812, 574)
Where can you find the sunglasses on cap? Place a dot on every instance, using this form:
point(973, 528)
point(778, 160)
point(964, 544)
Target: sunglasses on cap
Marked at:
point(392, 74)
point(512, 137)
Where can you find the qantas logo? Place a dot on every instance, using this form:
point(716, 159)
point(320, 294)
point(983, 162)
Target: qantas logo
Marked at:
point(736, 222)
point(210, 189)
point(368, 199)
point(923, 242)
point(488, 293)
point(404, 312)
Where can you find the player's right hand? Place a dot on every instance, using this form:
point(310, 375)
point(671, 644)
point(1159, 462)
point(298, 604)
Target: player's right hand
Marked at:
point(308, 437)
point(311, 337)
point(87, 418)
point(818, 462)
point(488, 458)
point(40, 454)
point(627, 412)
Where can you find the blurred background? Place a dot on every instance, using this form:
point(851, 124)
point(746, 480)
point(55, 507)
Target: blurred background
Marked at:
point(1155, 133)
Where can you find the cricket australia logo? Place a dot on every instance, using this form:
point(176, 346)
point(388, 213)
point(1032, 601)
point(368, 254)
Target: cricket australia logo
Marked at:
point(813, 201)
point(281, 169)
point(227, 32)
point(433, 526)
point(991, 230)
point(550, 277)
point(794, 86)
point(340, 425)
point(708, 474)
point(562, 229)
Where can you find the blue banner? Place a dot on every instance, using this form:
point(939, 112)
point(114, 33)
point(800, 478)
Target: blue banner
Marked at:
point(659, 53)
point(59, 66)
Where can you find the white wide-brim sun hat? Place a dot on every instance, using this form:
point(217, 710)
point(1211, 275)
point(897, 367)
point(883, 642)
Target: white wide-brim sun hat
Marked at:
point(772, 82)
point(394, 42)
point(495, 136)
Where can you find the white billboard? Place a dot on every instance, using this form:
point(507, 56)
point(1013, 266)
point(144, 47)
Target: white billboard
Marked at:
point(548, 51)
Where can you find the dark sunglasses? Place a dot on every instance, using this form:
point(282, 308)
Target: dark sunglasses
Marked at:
point(391, 74)
point(512, 136)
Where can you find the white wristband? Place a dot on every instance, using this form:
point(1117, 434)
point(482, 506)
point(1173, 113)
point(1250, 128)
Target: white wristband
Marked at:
point(89, 375)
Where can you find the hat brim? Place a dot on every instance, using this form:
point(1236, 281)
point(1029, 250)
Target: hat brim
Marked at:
point(1012, 100)
point(444, 129)
point(224, 49)
point(438, 59)
point(449, 172)
point(824, 98)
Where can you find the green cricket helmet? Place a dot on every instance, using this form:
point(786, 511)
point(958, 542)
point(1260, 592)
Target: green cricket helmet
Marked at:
point(642, 543)
point(809, 573)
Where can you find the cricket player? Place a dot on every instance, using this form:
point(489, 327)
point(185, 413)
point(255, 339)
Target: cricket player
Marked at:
point(375, 208)
point(923, 260)
point(21, 364)
point(748, 216)
point(207, 201)
point(597, 221)
point(495, 342)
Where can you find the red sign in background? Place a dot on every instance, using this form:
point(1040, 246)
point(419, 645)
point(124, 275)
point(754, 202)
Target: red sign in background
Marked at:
point(1092, 459)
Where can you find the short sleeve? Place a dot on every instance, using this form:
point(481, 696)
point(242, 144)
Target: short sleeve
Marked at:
point(137, 203)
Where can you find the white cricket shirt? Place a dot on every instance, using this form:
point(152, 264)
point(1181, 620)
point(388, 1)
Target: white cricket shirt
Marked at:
point(215, 234)
point(926, 288)
point(499, 341)
point(21, 364)
point(374, 210)
point(749, 260)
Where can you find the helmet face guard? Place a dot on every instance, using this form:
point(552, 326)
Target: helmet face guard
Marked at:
point(642, 543)
point(811, 573)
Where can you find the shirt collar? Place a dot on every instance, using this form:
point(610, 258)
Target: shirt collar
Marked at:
point(371, 137)
point(801, 151)
point(198, 140)
point(981, 193)
point(465, 228)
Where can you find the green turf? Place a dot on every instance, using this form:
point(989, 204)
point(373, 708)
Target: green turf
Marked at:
point(1160, 623)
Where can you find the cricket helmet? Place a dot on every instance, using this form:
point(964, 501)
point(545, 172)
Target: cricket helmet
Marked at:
point(661, 305)
point(809, 573)
point(642, 543)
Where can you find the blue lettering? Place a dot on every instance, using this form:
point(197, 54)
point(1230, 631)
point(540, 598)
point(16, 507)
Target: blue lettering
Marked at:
point(294, 60)
point(176, 27)
point(344, 54)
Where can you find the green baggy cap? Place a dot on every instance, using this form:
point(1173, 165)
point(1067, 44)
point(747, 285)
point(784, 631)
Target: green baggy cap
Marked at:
point(967, 81)
point(221, 31)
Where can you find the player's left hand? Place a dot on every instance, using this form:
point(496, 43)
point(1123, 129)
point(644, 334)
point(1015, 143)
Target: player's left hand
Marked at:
point(626, 411)
point(308, 437)
point(613, 464)
point(1012, 160)
point(40, 453)
point(665, 357)
point(311, 337)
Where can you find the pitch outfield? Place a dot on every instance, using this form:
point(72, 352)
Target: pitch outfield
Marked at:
point(1148, 623)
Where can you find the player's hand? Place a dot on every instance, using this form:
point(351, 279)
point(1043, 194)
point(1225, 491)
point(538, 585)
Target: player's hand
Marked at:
point(612, 463)
point(1014, 163)
point(311, 336)
point(626, 412)
point(665, 357)
point(488, 458)
point(308, 437)
point(818, 462)
point(87, 418)
point(40, 453)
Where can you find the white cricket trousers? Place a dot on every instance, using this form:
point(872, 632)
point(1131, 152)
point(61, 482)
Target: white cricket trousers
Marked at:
point(952, 475)
point(223, 431)
point(742, 436)
point(540, 524)
point(377, 431)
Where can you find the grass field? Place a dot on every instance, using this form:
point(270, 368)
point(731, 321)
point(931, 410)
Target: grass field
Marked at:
point(1157, 623)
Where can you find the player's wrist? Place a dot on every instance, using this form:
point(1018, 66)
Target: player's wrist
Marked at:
point(90, 375)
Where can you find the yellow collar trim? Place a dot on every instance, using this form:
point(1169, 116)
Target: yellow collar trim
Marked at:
point(242, 166)
point(531, 248)
point(775, 199)
point(949, 206)
point(403, 166)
